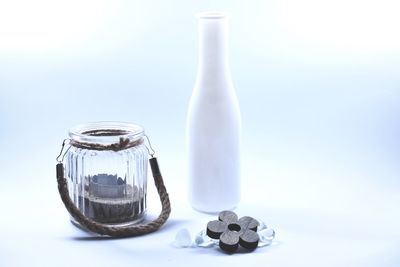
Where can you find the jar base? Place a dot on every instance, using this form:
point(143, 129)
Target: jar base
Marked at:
point(138, 219)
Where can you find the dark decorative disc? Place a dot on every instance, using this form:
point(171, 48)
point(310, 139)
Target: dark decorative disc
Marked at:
point(229, 241)
point(216, 228)
point(249, 223)
point(227, 216)
point(249, 239)
point(233, 232)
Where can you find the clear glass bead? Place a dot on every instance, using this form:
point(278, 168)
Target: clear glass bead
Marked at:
point(204, 241)
point(183, 239)
point(266, 236)
point(262, 226)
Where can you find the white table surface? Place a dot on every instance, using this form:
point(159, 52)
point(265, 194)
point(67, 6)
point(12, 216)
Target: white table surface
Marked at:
point(321, 223)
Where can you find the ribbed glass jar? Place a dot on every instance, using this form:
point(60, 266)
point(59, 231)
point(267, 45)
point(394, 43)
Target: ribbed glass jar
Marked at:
point(108, 186)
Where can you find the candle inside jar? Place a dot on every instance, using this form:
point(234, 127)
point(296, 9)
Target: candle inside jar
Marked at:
point(109, 199)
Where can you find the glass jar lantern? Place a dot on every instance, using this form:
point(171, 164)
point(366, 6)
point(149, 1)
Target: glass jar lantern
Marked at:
point(108, 185)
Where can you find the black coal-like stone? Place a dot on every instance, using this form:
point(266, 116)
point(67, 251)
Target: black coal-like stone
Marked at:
point(216, 228)
point(229, 241)
point(249, 239)
point(104, 179)
point(120, 181)
point(107, 186)
point(112, 210)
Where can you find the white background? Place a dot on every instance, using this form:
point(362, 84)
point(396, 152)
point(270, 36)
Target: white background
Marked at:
point(319, 88)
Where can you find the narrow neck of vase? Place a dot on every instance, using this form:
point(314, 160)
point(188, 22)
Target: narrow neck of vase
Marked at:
point(213, 48)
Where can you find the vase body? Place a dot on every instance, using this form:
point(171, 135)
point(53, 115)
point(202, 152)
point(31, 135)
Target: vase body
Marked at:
point(213, 131)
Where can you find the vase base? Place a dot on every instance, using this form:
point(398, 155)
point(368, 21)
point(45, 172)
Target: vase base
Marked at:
point(213, 210)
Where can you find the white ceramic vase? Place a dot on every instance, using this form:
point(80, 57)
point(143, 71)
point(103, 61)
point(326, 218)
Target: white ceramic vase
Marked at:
point(213, 122)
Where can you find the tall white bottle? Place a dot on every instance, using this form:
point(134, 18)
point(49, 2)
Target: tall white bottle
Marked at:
point(213, 122)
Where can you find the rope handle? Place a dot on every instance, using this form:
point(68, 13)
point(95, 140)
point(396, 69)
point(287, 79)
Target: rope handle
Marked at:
point(113, 231)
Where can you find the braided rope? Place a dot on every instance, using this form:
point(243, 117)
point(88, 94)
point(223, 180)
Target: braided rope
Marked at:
point(125, 231)
point(124, 143)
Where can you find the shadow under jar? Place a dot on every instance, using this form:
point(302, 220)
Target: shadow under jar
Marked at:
point(108, 185)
